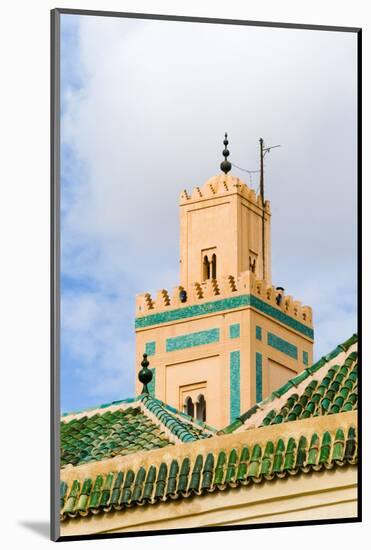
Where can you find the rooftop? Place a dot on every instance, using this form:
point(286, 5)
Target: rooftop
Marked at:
point(329, 386)
point(113, 457)
point(125, 427)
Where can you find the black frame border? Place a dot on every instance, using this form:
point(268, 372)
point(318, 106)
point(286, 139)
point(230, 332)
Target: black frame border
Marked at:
point(55, 265)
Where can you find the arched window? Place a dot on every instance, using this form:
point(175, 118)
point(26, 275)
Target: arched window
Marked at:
point(206, 268)
point(189, 407)
point(213, 266)
point(201, 408)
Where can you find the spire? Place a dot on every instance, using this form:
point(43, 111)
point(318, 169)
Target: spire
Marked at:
point(225, 166)
point(145, 374)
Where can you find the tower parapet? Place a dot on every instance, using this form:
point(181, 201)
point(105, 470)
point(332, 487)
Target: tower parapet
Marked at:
point(215, 289)
point(222, 185)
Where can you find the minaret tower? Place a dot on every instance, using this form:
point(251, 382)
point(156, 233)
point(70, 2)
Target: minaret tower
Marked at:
point(225, 338)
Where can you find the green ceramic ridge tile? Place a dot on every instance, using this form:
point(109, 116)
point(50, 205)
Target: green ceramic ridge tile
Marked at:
point(334, 393)
point(105, 405)
point(231, 428)
point(184, 431)
point(209, 472)
point(348, 343)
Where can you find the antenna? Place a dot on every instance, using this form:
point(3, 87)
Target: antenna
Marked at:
point(263, 152)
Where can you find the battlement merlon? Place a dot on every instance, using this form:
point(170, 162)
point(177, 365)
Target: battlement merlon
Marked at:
point(222, 185)
point(226, 287)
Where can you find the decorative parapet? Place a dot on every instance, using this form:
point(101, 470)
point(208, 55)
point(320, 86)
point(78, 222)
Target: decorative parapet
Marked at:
point(215, 291)
point(222, 185)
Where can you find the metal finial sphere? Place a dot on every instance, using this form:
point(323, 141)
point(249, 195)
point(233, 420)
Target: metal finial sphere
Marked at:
point(225, 166)
point(145, 374)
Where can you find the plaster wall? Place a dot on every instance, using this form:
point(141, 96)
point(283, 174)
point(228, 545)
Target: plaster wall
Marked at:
point(210, 363)
point(229, 225)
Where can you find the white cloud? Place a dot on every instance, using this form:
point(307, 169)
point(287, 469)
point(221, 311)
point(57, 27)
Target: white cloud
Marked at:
point(149, 121)
point(93, 325)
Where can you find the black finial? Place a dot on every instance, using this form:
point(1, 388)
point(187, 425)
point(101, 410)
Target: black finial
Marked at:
point(225, 166)
point(145, 374)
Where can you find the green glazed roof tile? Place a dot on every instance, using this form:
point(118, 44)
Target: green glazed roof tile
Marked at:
point(214, 471)
point(334, 392)
point(125, 430)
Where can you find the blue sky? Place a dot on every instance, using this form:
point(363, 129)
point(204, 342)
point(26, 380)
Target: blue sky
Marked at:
point(144, 108)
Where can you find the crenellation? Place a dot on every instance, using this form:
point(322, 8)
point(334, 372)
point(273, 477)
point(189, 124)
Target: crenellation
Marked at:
point(228, 285)
point(260, 288)
point(198, 291)
point(245, 281)
point(221, 185)
point(270, 294)
point(175, 298)
point(297, 307)
point(162, 298)
point(196, 193)
point(194, 293)
point(307, 314)
point(288, 305)
point(184, 196)
point(211, 289)
point(144, 303)
point(215, 287)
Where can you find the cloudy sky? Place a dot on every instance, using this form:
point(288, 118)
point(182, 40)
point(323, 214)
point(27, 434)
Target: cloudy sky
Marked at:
point(144, 108)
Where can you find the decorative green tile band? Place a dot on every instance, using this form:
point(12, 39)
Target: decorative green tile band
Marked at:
point(234, 384)
point(259, 376)
point(258, 333)
point(193, 339)
point(152, 384)
point(222, 305)
point(282, 345)
point(305, 358)
point(234, 331)
point(150, 348)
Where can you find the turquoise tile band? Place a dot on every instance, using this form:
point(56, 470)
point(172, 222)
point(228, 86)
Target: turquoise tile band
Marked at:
point(282, 345)
point(259, 376)
point(234, 331)
point(152, 384)
point(234, 384)
point(150, 348)
point(193, 339)
point(223, 305)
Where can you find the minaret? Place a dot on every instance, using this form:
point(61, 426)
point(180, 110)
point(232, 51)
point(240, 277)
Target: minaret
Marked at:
point(225, 338)
point(221, 230)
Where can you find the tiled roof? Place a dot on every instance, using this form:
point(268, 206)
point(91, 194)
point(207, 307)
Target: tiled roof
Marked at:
point(185, 477)
point(125, 427)
point(327, 387)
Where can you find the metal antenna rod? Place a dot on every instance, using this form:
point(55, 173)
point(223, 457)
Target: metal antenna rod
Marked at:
point(263, 151)
point(261, 142)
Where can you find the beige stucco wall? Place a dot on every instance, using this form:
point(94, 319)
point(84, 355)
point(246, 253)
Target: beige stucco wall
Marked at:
point(223, 216)
point(227, 220)
point(210, 363)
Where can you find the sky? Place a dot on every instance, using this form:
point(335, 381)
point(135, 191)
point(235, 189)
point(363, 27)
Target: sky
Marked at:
point(145, 105)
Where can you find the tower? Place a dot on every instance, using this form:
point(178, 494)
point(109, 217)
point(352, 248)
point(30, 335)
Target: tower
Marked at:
point(225, 338)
